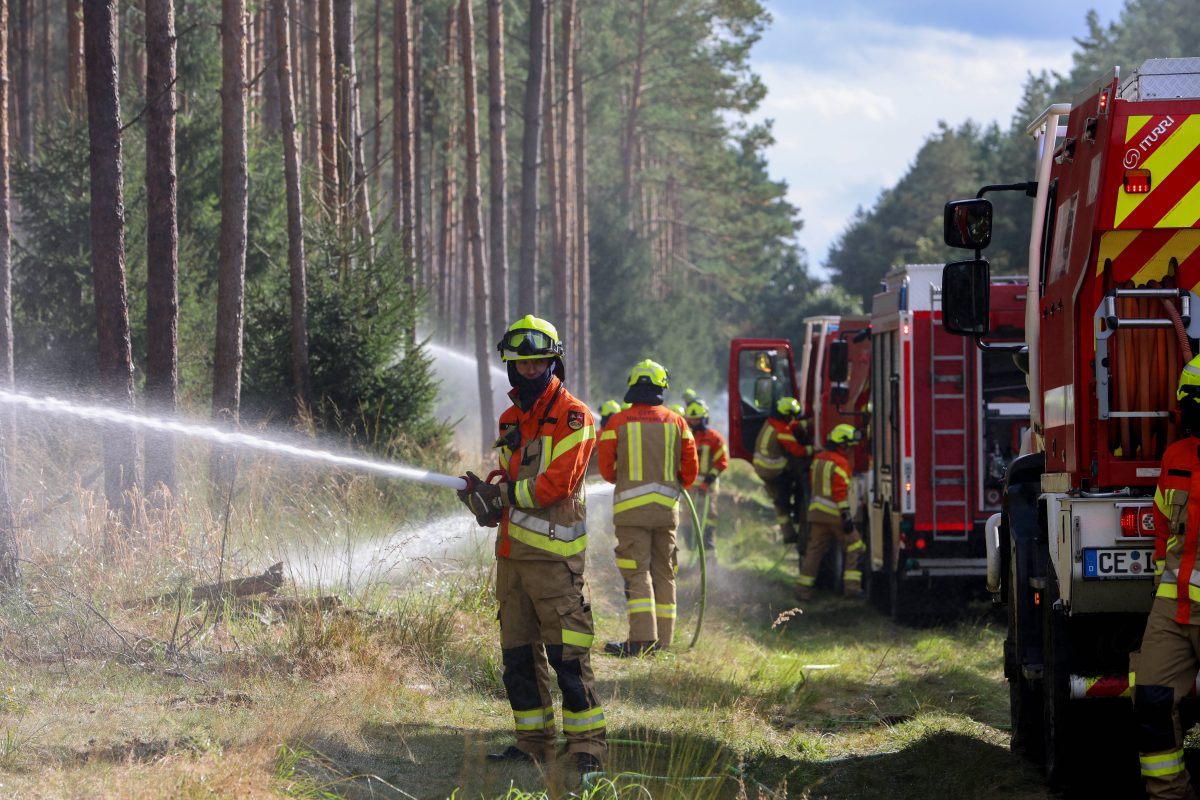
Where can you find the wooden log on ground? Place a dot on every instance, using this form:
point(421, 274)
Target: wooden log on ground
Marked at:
point(266, 583)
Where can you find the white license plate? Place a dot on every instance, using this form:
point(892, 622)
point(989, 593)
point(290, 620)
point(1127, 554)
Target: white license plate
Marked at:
point(1117, 563)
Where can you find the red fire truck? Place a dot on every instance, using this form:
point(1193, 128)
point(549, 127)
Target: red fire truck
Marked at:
point(946, 421)
point(1114, 261)
point(833, 386)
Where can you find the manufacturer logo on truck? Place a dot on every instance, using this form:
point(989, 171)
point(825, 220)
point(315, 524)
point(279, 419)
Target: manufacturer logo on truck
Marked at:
point(1133, 156)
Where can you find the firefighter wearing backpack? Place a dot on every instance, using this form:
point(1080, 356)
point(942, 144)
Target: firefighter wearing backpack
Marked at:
point(1170, 656)
point(710, 451)
point(546, 439)
point(649, 453)
point(781, 461)
point(830, 522)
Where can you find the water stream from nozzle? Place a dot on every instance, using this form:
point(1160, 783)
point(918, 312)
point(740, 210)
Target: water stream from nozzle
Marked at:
point(56, 407)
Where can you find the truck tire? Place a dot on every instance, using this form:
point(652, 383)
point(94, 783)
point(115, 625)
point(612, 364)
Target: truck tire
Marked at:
point(879, 584)
point(1024, 696)
point(1061, 734)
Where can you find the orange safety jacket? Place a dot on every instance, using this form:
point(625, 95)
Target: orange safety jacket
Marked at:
point(544, 453)
point(1177, 530)
point(829, 476)
point(650, 454)
point(776, 441)
point(710, 450)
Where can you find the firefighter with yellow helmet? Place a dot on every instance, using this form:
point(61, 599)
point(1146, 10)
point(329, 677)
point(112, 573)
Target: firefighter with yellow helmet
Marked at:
point(607, 409)
point(713, 460)
point(1170, 656)
point(649, 453)
point(546, 439)
point(781, 461)
point(830, 521)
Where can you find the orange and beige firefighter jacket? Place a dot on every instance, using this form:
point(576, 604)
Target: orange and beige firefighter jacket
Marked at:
point(710, 451)
point(829, 476)
point(1177, 530)
point(544, 453)
point(776, 442)
point(656, 454)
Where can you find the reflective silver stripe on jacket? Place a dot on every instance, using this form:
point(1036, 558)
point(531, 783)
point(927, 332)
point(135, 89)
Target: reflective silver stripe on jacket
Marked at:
point(646, 488)
point(562, 533)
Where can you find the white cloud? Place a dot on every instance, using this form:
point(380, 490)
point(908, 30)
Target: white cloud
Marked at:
point(851, 110)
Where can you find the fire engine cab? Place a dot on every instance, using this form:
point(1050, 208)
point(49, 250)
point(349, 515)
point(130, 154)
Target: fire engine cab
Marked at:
point(1110, 319)
point(946, 420)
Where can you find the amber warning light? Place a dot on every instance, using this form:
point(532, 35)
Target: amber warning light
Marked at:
point(1137, 181)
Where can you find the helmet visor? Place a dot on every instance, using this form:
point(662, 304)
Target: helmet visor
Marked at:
point(528, 344)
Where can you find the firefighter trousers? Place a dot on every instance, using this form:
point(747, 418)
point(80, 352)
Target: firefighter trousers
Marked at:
point(1166, 670)
point(783, 491)
point(647, 559)
point(686, 534)
point(546, 619)
point(825, 532)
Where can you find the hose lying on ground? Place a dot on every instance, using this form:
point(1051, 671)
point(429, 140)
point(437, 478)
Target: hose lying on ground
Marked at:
point(703, 566)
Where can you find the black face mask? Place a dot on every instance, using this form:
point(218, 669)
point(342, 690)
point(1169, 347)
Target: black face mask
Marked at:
point(1189, 417)
point(528, 391)
point(644, 394)
point(700, 425)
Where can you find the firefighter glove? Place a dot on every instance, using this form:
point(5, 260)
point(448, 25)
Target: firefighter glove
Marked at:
point(485, 500)
point(847, 522)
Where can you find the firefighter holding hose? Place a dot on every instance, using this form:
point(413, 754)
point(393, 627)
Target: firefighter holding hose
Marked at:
point(713, 460)
point(1170, 656)
point(830, 521)
point(546, 439)
point(649, 453)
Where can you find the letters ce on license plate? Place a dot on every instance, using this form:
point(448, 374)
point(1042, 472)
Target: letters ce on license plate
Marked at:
point(1117, 563)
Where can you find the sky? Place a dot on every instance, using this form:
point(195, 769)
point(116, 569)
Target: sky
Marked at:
point(855, 87)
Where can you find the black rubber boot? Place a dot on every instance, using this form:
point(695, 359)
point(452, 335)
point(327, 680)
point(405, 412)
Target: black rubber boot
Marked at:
point(512, 753)
point(630, 649)
point(586, 762)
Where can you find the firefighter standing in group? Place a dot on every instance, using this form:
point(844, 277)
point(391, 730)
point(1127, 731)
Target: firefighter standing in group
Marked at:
point(830, 521)
point(781, 461)
point(546, 439)
point(1169, 658)
point(607, 409)
point(649, 453)
point(713, 460)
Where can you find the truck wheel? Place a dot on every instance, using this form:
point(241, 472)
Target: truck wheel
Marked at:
point(879, 584)
point(1024, 697)
point(1061, 736)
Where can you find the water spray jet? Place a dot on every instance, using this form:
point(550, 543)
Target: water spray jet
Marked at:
point(54, 406)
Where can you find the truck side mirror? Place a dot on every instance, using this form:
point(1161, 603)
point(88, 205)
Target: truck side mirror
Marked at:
point(968, 223)
point(965, 297)
point(839, 361)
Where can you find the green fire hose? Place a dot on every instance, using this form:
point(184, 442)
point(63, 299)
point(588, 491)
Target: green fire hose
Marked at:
point(703, 563)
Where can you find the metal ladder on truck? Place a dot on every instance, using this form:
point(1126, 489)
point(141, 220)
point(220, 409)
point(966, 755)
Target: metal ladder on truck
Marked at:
point(950, 415)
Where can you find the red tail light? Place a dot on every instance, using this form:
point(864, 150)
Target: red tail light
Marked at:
point(921, 544)
point(1137, 181)
point(1129, 522)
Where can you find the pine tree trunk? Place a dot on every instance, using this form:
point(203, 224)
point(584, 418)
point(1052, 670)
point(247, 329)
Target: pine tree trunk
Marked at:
point(351, 167)
point(448, 267)
point(309, 38)
point(527, 268)
point(108, 246)
point(270, 76)
point(47, 103)
point(231, 277)
point(297, 273)
point(329, 132)
point(377, 92)
point(403, 181)
point(75, 91)
point(566, 183)
point(162, 239)
point(25, 81)
point(498, 161)
point(550, 147)
point(583, 384)
point(473, 216)
point(631, 117)
point(9, 570)
point(420, 237)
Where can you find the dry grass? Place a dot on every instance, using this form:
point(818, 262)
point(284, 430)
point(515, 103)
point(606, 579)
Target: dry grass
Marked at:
point(399, 695)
